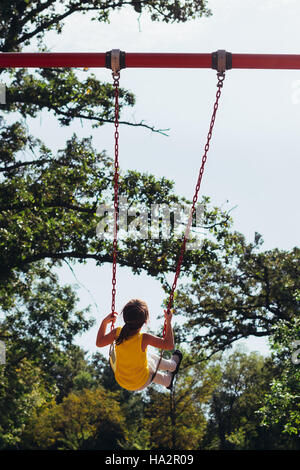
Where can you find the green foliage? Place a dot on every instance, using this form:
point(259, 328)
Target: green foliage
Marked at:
point(44, 326)
point(87, 420)
point(41, 361)
point(233, 421)
point(242, 292)
point(42, 194)
point(177, 420)
point(282, 403)
point(42, 197)
point(23, 391)
point(83, 380)
point(74, 96)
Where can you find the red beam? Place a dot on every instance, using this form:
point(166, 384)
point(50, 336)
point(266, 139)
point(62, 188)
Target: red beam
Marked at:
point(51, 59)
point(168, 60)
point(265, 61)
point(145, 60)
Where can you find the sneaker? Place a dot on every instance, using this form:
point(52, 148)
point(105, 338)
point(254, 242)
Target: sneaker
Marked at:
point(179, 355)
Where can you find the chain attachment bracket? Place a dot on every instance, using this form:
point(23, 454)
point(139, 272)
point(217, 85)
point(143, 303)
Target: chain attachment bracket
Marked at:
point(221, 61)
point(115, 60)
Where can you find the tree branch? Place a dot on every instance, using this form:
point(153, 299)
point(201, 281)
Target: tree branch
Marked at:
point(34, 12)
point(110, 121)
point(20, 207)
point(63, 255)
point(45, 26)
point(57, 19)
point(28, 163)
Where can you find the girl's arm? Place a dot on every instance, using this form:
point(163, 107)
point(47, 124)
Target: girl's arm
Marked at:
point(166, 343)
point(104, 339)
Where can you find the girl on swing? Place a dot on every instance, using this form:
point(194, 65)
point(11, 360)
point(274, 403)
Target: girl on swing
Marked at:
point(135, 368)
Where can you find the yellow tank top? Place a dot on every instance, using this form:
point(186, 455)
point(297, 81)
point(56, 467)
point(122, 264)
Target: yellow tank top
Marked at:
point(132, 370)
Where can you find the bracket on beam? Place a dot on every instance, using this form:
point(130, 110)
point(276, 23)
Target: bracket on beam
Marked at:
point(115, 60)
point(221, 60)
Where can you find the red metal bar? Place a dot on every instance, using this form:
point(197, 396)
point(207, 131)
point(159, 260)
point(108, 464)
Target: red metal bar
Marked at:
point(265, 61)
point(52, 59)
point(168, 60)
point(146, 60)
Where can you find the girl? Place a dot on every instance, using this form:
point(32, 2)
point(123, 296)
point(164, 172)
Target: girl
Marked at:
point(134, 367)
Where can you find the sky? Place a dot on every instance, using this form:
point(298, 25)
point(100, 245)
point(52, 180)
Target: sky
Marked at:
point(253, 163)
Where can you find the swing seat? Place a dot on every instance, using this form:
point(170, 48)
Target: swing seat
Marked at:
point(112, 357)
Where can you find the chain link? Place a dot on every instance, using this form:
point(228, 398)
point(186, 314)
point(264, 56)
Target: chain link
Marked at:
point(116, 84)
point(221, 78)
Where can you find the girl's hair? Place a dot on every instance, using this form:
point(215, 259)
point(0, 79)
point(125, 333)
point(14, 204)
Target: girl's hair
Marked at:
point(135, 314)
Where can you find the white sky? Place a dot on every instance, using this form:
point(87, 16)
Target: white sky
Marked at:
point(253, 161)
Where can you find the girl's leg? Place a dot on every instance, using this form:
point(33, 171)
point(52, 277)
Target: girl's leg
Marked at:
point(165, 364)
point(168, 365)
point(162, 379)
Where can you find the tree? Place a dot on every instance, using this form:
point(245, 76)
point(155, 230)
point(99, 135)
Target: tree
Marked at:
point(23, 391)
point(87, 420)
point(233, 421)
point(24, 20)
point(44, 326)
point(42, 362)
point(42, 198)
point(281, 407)
point(177, 420)
point(47, 194)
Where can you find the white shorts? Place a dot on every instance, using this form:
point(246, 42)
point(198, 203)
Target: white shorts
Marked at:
point(160, 378)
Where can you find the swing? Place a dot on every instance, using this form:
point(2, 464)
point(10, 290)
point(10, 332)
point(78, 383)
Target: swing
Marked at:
point(115, 61)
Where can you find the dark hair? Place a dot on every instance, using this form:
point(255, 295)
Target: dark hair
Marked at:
point(135, 314)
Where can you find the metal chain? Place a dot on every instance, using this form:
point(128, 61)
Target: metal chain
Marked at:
point(221, 77)
point(116, 84)
point(116, 78)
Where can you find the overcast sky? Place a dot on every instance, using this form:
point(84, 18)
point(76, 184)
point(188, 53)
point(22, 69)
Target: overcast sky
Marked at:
point(253, 163)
